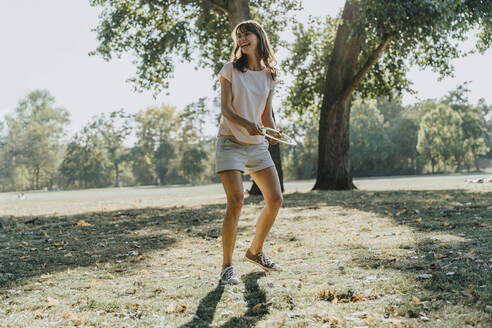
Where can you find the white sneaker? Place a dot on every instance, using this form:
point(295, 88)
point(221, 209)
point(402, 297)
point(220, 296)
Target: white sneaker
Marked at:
point(227, 276)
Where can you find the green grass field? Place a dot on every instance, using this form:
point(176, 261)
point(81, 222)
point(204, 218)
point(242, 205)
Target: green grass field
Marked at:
point(398, 252)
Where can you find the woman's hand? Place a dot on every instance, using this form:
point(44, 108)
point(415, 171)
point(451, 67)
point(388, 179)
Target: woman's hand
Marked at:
point(254, 129)
point(274, 134)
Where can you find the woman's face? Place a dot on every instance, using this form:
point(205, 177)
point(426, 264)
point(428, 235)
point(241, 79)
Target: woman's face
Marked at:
point(247, 41)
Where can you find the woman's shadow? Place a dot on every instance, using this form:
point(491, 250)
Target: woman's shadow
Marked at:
point(254, 297)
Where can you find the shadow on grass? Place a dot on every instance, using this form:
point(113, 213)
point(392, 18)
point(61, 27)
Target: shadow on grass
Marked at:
point(463, 262)
point(253, 295)
point(37, 245)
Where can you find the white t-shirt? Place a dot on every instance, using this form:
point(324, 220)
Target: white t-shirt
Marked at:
point(250, 91)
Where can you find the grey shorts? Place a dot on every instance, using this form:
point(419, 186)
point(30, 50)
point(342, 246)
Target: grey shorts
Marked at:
point(231, 154)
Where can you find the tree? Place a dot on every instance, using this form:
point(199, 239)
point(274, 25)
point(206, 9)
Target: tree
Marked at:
point(34, 138)
point(375, 43)
point(192, 164)
point(474, 125)
point(86, 163)
point(369, 139)
point(155, 127)
point(114, 129)
point(441, 136)
point(159, 31)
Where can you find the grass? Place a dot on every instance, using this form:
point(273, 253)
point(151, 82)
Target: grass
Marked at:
point(383, 256)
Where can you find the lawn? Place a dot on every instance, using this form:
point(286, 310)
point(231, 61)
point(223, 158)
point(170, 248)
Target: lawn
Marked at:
point(398, 252)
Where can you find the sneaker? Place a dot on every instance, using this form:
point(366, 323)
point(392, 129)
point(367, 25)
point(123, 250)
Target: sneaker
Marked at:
point(262, 261)
point(227, 276)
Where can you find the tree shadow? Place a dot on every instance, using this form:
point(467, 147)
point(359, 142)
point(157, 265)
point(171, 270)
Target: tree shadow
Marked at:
point(253, 295)
point(37, 245)
point(455, 265)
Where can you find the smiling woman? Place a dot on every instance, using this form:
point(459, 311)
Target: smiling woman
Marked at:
point(247, 84)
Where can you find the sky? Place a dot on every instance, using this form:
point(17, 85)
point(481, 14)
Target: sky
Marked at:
point(45, 45)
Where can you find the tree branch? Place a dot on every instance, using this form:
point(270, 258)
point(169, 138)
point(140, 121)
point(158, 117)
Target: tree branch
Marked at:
point(373, 58)
point(220, 5)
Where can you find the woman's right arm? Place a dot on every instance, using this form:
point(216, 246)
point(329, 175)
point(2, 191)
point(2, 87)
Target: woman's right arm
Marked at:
point(228, 112)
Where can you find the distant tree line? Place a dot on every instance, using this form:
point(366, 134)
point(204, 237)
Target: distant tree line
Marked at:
point(387, 138)
point(170, 146)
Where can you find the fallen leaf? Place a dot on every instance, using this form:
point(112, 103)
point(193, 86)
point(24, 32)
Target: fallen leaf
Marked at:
point(446, 223)
point(47, 276)
point(53, 303)
point(416, 300)
point(82, 223)
point(257, 306)
point(170, 309)
point(110, 276)
point(58, 244)
point(95, 282)
point(77, 319)
point(39, 314)
point(418, 220)
point(65, 315)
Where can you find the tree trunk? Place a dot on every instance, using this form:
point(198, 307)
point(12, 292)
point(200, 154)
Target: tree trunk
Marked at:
point(36, 174)
point(117, 176)
point(340, 82)
point(333, 137)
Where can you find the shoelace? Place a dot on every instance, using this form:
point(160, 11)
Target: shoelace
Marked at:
point(228, 273)
point(265, 260)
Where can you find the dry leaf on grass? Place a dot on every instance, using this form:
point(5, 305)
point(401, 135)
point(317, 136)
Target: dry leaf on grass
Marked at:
point(39, 314)
point(77, 319)
point(47, 276)
point(176, 309)
point(82, 223)
point(416, 300)
point(53, 303)
point(95, 282)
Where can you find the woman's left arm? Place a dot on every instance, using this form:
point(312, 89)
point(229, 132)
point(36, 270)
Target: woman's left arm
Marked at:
point(267, 117)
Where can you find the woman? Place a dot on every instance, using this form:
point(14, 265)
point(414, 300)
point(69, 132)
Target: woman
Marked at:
point(247, 84)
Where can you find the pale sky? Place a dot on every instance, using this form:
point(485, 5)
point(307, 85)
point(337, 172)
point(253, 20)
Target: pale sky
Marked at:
point(45, 45)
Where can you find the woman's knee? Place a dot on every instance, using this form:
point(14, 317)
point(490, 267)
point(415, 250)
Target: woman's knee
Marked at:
point(275, 201)
point(235, 202)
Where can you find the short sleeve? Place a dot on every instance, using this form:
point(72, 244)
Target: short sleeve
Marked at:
point(226, 72)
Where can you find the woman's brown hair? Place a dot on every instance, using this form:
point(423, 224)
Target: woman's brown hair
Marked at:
point(263, 49)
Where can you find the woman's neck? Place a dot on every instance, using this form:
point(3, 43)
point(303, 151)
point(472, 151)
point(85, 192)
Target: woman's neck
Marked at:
point(254, 64)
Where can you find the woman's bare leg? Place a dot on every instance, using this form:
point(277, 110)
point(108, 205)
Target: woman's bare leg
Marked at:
point(269, 184)
point(233, 186)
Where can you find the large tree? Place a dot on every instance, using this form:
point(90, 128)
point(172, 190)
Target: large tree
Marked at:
point(158, 31)
point(375, 43)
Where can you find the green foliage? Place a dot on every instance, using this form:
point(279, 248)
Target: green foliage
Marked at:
point(313, 44)
point(192, 163)
point(157, 32)
point(441, 135)
point(86, 163)
point(31, 148)
point(369, 141)
point(426, 34)
point(301, 161)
